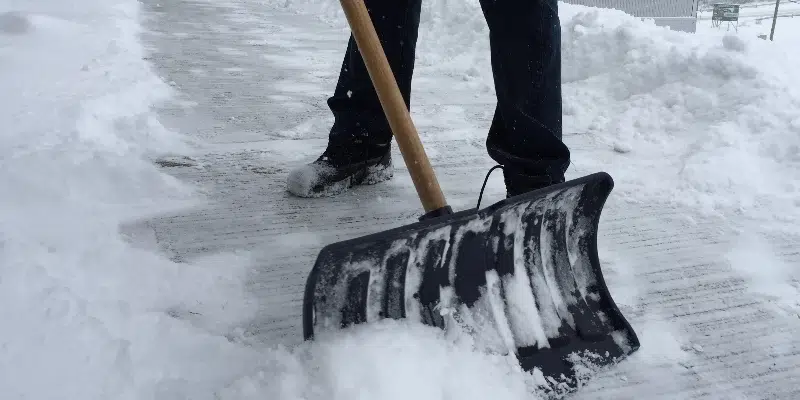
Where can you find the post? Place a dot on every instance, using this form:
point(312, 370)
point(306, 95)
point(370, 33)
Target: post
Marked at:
point(774, 19)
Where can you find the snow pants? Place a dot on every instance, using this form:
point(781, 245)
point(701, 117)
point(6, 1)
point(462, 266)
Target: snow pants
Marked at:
point(525, 38)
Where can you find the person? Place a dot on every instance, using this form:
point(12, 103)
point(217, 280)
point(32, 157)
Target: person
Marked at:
point(524, 136)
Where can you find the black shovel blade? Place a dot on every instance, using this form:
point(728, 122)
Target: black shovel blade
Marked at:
point(521, 277)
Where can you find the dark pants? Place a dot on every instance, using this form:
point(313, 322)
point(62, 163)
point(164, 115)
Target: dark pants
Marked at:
point(525, 38)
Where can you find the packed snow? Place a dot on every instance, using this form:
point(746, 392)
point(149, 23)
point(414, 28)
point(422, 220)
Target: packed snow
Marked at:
point(708, 120)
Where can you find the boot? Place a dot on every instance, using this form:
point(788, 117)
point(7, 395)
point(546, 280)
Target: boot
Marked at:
point(344, 164)
point(517, 182)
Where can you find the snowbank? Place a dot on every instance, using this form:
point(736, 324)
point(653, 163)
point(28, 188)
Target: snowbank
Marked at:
point(713, 119)
point(84, 315)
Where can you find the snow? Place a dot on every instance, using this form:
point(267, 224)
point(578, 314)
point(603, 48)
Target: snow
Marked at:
point(86, 315)
point(423, 365)
point(710, 120)
point(768, 275)
point(522, 308)
point(727, 118)
point(722, 115)
point(316, 180)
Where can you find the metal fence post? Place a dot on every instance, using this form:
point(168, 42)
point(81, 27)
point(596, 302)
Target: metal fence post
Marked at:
point(774, 19)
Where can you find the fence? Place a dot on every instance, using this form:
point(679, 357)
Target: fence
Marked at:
point(679, 15)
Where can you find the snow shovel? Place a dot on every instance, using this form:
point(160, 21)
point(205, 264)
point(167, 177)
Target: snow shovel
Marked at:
point(522, 277)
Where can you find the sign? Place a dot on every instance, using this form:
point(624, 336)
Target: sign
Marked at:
point(726, 13)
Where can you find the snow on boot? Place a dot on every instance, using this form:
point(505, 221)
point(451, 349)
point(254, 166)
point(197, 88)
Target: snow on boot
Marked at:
point(341, 167)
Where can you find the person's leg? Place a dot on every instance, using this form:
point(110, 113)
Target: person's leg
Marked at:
point(358, 150)
point(355, 105)
point(525, 135)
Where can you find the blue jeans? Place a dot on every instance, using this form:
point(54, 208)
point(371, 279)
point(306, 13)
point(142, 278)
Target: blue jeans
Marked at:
point(525, 38)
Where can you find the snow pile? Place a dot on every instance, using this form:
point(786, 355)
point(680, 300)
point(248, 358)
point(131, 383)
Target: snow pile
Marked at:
point(387, 360)
point(84, 315)
point(713, 119)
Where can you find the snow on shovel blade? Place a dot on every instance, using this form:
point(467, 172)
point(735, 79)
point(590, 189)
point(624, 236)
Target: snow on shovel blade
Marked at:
point(521, 277)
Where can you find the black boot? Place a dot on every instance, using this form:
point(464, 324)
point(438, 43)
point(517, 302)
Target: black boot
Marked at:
point(518, 182)
point(342, 166)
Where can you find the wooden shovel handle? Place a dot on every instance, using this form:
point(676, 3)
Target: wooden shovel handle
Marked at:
point(393, 105)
